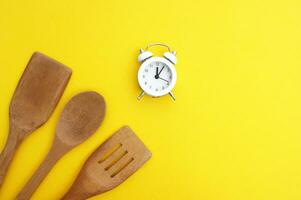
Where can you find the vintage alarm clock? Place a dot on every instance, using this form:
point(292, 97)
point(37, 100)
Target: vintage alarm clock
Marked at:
point(157, 76)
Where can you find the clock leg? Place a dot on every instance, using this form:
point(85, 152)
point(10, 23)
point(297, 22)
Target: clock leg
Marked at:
point(172, 96)
point(141, 95)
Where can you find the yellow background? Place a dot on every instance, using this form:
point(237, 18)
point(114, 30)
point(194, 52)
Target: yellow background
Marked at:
point(234, 132)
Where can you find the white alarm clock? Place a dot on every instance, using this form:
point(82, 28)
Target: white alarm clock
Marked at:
point(157, 76)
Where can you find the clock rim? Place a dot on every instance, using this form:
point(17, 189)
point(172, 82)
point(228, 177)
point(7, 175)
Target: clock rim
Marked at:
point(171, 85)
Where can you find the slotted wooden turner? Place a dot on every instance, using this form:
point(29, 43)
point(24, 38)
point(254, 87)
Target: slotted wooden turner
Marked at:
point(111, 164)
point(37, 94)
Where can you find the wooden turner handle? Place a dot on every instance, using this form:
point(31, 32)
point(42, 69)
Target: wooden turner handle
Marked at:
point(9, 150)
point(77, 192)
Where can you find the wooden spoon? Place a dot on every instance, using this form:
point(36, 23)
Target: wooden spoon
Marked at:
point(80, 119)
point(37, 94)
point(110, 165)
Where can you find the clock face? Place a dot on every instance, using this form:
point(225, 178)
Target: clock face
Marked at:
point(156, 76)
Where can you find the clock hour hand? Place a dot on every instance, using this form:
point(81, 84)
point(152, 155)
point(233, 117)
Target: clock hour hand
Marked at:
point(157, 73)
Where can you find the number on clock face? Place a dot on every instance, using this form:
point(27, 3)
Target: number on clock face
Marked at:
point(156, 76)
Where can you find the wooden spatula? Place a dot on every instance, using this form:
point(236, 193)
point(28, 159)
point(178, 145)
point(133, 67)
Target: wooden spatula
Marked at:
point(37, 94)
point(80, 118)
point(111, 164)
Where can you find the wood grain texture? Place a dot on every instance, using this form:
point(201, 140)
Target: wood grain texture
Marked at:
point(80, 118)
point(37, 94)
point(110, 165)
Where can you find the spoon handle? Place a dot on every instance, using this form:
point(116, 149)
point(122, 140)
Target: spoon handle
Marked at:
point(52, 157)
point(6, 156)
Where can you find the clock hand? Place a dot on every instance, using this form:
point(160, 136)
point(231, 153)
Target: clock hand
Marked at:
point(157, 74)
point(164, 79)
point(161, 70)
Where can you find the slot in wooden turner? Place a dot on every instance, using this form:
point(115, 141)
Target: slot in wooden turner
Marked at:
point(110, 165)
point(81, 117)
point(37, 94)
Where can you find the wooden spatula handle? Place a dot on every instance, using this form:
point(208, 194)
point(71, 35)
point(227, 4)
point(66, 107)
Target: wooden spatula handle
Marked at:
point(77, 192)
point(9, 150)
point(39, 174)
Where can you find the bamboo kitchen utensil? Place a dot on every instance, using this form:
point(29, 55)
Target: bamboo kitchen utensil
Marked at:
point(111, 164)
point(37, 94)
point(80, 118)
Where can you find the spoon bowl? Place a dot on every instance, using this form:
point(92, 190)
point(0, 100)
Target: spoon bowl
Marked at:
point(80, 118)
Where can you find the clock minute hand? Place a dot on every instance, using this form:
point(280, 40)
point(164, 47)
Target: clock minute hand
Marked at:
point(161, 70)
